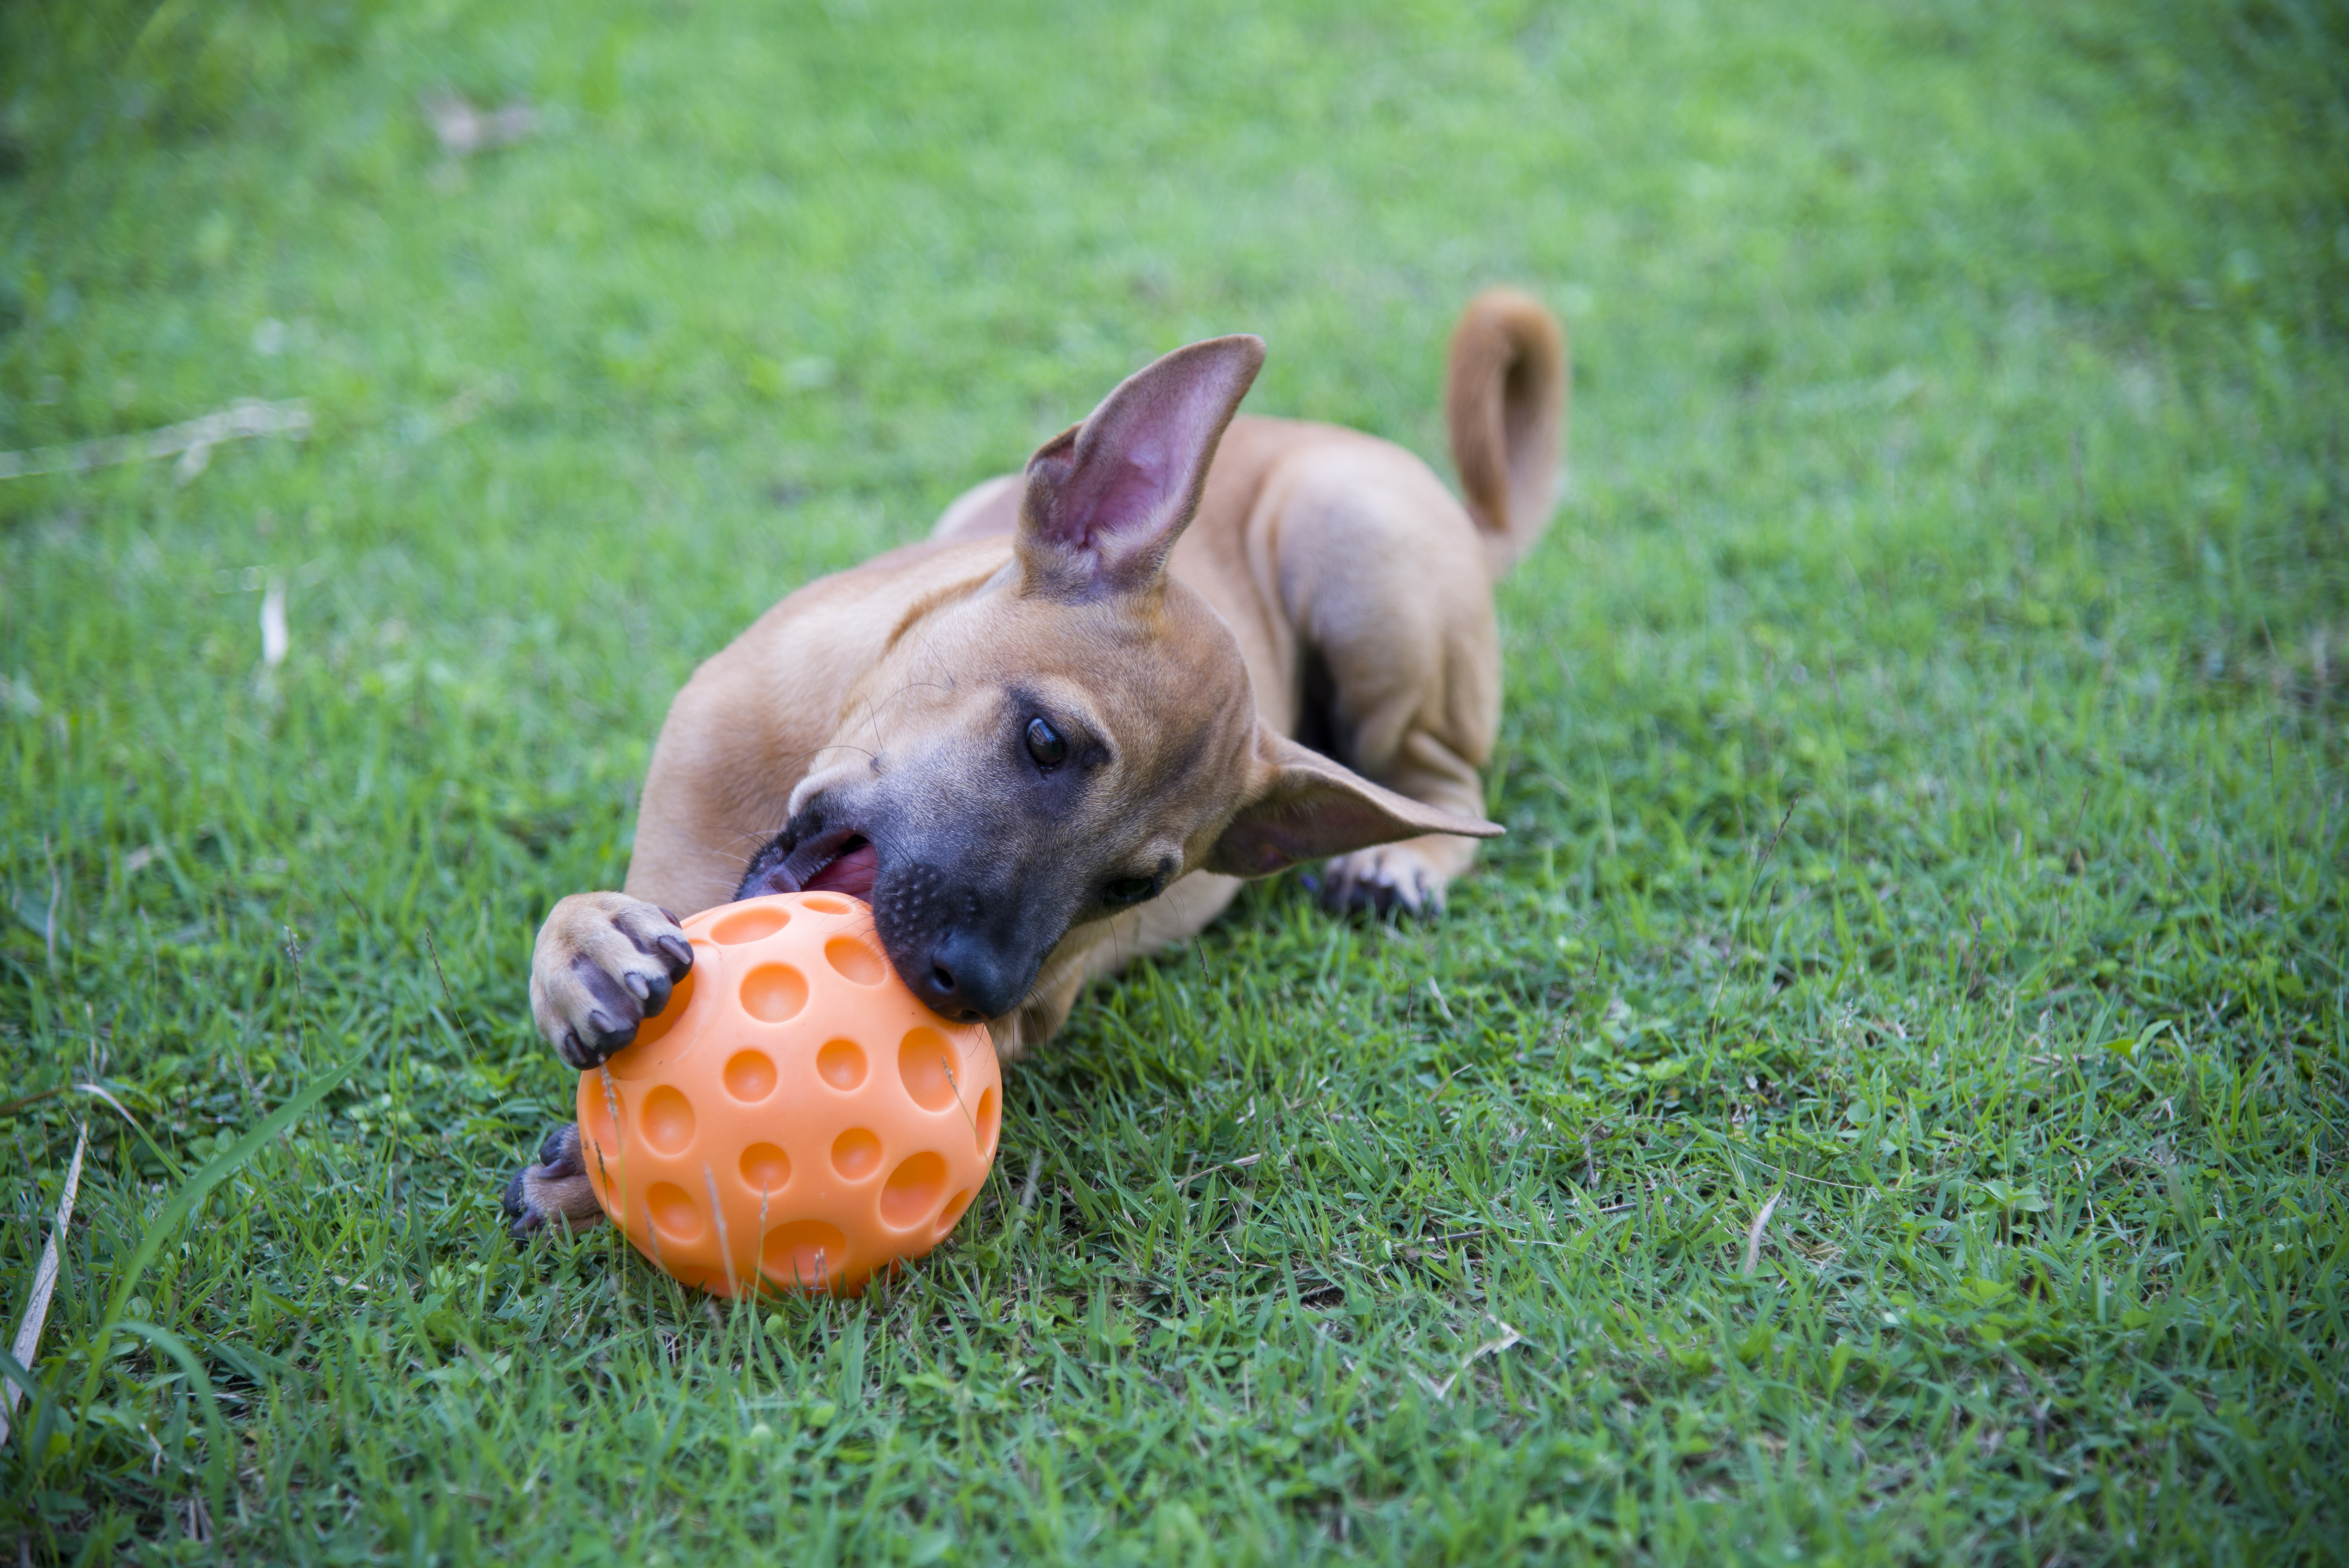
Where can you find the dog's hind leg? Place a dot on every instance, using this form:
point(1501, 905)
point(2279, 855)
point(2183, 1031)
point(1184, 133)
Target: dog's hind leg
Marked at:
point(1396, 584)
point(555, 1191)
point(1383, 576)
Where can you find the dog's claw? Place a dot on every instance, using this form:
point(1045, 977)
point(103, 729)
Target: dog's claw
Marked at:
point(596, 1042)
point(651, 991)
point(657, 1000)
point(553, 1192)
point(605, 963)
point(1380, 889)
point(515, 1206)
point(610, 1034)
point(1376, 899)
point(558, 1151)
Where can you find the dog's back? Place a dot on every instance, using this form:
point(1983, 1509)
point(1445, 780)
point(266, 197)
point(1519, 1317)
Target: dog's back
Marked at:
point(1505, 391)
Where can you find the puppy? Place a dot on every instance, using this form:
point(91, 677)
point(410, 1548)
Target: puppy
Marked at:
point(1179, 650)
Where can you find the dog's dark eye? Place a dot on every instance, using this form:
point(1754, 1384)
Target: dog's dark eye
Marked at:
point(1130, 890)
point(1045, 745)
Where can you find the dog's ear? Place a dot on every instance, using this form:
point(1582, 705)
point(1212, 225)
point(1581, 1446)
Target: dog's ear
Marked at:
point(1304, 806)
point(1106, 499)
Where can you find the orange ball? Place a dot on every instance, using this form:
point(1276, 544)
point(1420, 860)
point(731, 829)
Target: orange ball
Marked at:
point(793, 1120)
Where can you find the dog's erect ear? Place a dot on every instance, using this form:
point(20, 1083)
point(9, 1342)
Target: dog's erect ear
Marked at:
point(1304, 806)
point(1106, 499)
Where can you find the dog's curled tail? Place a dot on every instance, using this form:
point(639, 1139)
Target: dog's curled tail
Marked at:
point(1505, 391)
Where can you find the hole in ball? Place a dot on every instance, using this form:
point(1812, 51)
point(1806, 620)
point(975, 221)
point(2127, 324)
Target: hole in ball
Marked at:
point(855, 960)
point(766, 1168)
point(749, 1076)
point(774, 992)
point(953, 1212)
point(667, 1121)
point(990, 1119)
point(677, 1215)
point(913, 1192)
point(841, 1064)
point(750, 924)
point(856, 1154)
point(806, 1254)
point(927, 1061)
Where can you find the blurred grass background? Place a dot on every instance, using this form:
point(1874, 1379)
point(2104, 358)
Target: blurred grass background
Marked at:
point(1924, 765)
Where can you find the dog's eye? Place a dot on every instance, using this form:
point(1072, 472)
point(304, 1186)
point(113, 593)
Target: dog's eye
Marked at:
point(1130, 890)
point(1045, 744)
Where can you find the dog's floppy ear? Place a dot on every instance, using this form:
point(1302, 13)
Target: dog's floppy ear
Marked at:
point(1304, 806)
point(1106, 499)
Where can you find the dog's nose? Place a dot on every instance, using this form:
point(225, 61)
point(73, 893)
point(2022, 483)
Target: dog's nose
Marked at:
point(967, 980)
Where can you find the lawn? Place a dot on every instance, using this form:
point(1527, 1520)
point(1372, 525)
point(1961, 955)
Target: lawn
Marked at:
point(1883, 1100)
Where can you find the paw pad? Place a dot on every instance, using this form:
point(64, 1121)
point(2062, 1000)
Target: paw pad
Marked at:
point(745, 1141)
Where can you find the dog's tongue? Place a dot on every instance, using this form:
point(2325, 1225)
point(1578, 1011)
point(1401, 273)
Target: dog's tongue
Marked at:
point(851, 872)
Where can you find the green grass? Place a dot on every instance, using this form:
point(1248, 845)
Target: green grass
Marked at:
point(1925, 769)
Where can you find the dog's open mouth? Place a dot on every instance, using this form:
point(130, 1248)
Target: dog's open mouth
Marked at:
point(836, 860)
point(850, 869)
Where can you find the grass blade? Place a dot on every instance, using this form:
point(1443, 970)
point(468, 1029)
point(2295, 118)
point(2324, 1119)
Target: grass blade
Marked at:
point(45, 1284)
point(183, 1202)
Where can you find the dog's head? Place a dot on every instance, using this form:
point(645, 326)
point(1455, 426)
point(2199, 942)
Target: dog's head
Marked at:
point(1062, 744)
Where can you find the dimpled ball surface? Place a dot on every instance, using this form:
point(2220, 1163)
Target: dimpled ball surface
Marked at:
point(793, 1120)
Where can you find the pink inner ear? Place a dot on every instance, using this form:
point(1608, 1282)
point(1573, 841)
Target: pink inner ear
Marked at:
point(1125, 491)
point(1122, 486)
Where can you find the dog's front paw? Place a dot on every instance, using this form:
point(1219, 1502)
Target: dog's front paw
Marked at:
point(553, 1192)
point(1388, 879)
point(605, 963)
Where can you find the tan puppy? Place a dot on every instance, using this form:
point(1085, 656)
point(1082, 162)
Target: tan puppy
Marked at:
point(1059, 733)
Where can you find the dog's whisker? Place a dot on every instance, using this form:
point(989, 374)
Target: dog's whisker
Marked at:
point(872, 711)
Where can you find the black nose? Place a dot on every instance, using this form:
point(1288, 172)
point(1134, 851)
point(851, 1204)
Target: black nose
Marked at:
point(966, 980)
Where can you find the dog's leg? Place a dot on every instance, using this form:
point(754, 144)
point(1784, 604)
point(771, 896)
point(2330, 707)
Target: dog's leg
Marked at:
point(1383, 577)
point(554, 1191)
point(1413, 874)
point(1038, 1018)
point(1182, 911)
point(605, 963)
point(1179, 914)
